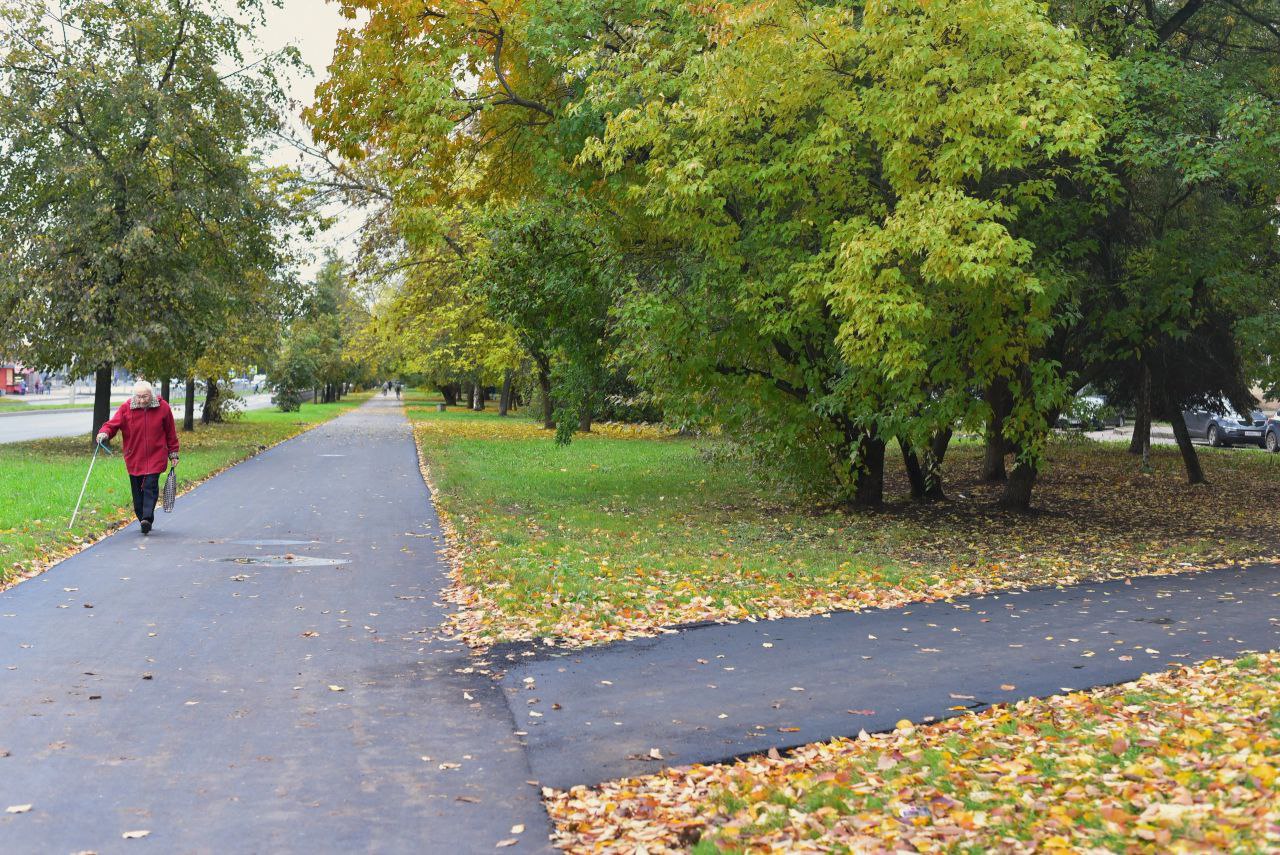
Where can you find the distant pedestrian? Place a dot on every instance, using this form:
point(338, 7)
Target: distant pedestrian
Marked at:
point(399, 386)
point(385, 388)
point(150, 442)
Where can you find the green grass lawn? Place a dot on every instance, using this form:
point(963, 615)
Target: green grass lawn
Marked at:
point(627, 531)
point(39, 482)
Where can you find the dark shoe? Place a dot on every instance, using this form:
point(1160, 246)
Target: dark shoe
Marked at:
point(146, 526)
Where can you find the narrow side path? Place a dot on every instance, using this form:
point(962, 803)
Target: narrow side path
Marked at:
point(156, 684)
point(717, 692)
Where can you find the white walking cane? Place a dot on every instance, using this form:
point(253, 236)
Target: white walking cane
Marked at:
point(86, 482)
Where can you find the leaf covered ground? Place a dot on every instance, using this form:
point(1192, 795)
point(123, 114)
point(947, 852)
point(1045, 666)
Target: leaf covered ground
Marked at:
point(628, 531)
point(39, 483)
point(1183, 761)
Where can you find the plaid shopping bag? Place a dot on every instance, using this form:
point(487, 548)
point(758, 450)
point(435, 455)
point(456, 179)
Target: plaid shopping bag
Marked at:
point(170, 494)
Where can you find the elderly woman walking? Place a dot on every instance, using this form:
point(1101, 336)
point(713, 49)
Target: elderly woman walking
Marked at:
point(150, 441)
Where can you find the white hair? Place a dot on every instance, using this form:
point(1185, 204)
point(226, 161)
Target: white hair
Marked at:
point(143, 389)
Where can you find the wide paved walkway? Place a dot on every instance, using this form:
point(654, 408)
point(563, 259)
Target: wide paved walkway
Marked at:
point(158, 685)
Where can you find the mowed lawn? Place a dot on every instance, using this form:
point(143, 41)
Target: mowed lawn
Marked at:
point(630, 530)
point(39, 482)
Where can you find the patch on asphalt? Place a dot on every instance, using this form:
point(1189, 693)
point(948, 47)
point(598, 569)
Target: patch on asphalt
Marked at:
point(287, 561)
point(272, 542)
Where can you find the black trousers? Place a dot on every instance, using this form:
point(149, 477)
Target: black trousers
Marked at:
point(146, 489)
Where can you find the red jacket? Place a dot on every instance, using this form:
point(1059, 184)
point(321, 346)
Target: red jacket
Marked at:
point(149, 436)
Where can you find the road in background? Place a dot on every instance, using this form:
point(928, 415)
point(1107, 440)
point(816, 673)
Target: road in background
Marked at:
point(21, 427)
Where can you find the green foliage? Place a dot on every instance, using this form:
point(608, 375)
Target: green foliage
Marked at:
point(821, 228)
point(140, 228)
point(316, 351)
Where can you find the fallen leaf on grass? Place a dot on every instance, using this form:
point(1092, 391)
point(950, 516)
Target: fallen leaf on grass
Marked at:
point(517, 829)
point(510, 841)
point(17, 809)
point(135, 835)
point(336, 689)
point(1007, 687)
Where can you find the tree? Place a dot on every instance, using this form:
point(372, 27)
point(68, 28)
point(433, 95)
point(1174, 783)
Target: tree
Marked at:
point(1177, 284)
point(547, 270)
point(844, 195)
point(125, 157)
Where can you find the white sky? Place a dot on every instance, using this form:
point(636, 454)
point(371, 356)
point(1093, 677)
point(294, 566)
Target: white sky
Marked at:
point(312, 26)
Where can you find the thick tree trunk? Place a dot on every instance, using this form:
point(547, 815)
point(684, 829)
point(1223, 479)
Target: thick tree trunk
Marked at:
point(504, 400)
point(933, 464)
point(101, 399)
point(1141, 431)
point(915, 472)
point(868, 490)
point(211, 413)
point(1190, 459)
point(164, 389)
point(544, 383)
point(1017, 490)
point(996, 446)
point(584, 418)
point(477, 396)
point(1141, 426)
point(189, 408)
point(449, 391)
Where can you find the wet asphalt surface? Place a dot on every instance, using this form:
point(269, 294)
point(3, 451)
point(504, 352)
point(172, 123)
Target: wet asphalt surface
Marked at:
point(151, 684)
point(722, 691)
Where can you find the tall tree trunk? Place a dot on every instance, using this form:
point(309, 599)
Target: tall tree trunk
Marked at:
point(164, 389)
point(996, 446)
point(478, 396)
point(1017, 490)
point(584, 417)
point(868, 490)
point(449, 391)
point(933, 458)
point(544, 383)
point(504, 400)
point(1140, 442)
point(915, 472)
point(211, 413)
point(101, 399)
point(1141, 427)
point(1190, 459)
point(189, 408)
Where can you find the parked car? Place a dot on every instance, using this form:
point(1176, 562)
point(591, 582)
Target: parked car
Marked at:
point(1271, 437)
point(1090, 412)
point(1226, 428)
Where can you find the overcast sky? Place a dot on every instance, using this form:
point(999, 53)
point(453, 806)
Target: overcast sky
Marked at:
point(312, 26)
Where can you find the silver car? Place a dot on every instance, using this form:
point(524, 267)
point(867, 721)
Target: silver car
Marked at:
point(1226, 428)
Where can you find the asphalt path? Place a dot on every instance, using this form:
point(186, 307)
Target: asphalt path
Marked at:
point(716, 692)
point(22, 427)
point(158, 684)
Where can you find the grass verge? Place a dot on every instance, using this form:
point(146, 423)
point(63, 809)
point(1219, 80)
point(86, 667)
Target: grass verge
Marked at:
point(1183, 761)
point(39, 483)
point(628, 531)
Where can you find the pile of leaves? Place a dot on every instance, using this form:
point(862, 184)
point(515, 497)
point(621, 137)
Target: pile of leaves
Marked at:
point(1180, 761)
point(629, 538)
